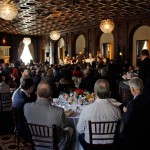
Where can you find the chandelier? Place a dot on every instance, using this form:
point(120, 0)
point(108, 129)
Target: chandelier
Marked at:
point(107, 25)
point(54, 35)
point(26, 41)
point(8, 10)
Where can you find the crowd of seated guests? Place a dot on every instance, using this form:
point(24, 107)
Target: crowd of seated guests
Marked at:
point(113, 72)
point(62, 75)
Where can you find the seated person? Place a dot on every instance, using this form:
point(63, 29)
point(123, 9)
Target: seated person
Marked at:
point(14, 82)
point(131, 73)
point(4, 88)
point(101, 110)
point(87, 82)
point(77, 72)
point(136, 118)
point(43, 113)
point(19, 98)
point(73, 60)
point(66, 83)
point(49, 78)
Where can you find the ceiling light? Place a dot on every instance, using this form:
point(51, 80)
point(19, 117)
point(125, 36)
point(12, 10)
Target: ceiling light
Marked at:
point(107, 25)
point(54, 35)
point(26, 41)
point(8, 10)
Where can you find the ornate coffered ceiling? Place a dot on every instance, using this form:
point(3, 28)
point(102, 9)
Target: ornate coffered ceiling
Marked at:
point(39, 17)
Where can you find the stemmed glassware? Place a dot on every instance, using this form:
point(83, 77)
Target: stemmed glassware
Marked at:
point(61, 98)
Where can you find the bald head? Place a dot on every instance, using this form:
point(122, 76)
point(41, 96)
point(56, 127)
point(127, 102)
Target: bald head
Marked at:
point(44, 90)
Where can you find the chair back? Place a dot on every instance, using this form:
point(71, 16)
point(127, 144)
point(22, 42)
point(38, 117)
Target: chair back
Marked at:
point(5, 102)
point(125, 95)
point(104, 133)
point(16, 130)
point(43, 136)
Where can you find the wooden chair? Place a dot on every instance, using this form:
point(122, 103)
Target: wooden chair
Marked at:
point(5, 102)
point(16, 132)
point(101, 131)
point(18, 138)
point(125, 95)
point(43, 136)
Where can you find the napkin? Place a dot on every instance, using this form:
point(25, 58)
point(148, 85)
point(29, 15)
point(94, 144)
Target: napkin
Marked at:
point(69, 113)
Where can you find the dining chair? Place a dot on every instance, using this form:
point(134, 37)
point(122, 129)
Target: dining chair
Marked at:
point(103, 131)
point(5, 102)
point(18, 138)
point(16, 131)
point(125, 95)
point(43, 136)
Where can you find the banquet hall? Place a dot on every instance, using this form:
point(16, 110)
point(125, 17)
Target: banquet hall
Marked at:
point(72, 44)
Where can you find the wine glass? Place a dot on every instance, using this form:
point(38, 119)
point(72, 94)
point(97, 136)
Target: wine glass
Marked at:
point(80, 100)
point(61, 97)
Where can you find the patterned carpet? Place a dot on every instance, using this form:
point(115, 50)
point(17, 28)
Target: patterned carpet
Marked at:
point(7, 143)
point(7, 133)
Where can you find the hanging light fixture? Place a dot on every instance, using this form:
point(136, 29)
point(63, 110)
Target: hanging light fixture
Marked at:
point(26, 56)
point(8, 10)
point(107, 25)
point(27, 41)
point(54, 35)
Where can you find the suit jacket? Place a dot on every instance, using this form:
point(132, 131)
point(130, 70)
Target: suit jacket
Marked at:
point(136, 123)
point(144, 74)
point(43, 113)
point(87, 83)
point(19, 98)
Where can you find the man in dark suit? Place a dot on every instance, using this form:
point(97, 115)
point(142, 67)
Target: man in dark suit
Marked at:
point(43, 113)
point(144, 71)
point(19, 98)
point(136, 118)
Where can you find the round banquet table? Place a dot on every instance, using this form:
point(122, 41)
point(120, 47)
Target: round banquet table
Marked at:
point(73, 117)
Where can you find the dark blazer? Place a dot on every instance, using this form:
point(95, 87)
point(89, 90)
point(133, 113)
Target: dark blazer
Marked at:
point(36, 80)
point(87, 83)
point(144, 74)
point(19, 98)
point(136, 123)
point(144, 71)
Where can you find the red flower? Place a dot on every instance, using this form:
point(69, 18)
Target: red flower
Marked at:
point(79, 91)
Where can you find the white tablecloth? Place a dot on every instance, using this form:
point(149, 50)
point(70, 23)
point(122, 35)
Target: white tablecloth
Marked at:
point(74, 117)
point(77, 108)
point(74, 121)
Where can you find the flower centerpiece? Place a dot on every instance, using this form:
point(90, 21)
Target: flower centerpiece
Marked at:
point(82, 97)
point(78, 92)
point(81, 94)
point(90, 97)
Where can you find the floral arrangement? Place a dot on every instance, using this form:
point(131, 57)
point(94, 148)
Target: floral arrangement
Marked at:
point(90, 97)
point(79, 96)
point(79, 91)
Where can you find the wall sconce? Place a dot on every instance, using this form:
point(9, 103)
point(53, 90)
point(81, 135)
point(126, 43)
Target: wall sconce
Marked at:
point(4, 41)
point(120, 54)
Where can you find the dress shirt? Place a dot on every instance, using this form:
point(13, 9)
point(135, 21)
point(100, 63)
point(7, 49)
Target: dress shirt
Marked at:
point(135, 96)
point(100, 110)
point(28, 95)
